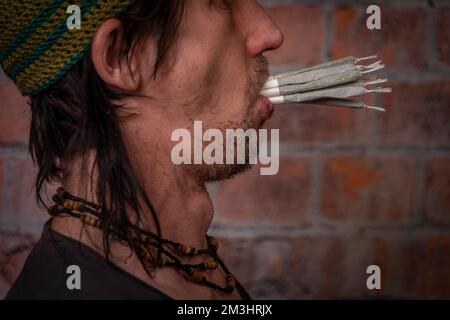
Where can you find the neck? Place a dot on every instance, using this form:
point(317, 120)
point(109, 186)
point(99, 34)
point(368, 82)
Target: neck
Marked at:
point(182, 203)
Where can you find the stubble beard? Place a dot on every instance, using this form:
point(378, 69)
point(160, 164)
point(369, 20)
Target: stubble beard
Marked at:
point(218, 172)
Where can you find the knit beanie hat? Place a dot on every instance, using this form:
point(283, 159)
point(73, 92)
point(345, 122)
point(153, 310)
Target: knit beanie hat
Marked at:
point(36, 46)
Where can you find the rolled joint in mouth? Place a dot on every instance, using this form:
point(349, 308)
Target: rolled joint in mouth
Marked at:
point(330, 82)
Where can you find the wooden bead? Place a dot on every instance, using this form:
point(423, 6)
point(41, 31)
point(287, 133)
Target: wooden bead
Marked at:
point(143, 238)
point(84, 218)
point(162, 262)
point(231, 281)
point(197, 276)
point(89, 220)
point(71, 205)
point(148, 256)
point(213, 242)
point(188, 250)
point(211, 264)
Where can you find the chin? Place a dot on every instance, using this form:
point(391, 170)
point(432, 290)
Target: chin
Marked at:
point(219, 172)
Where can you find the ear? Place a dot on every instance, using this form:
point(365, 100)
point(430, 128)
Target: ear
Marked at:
point(108, 61)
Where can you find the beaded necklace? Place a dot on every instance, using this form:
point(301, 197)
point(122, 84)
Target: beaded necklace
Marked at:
point(91, 214)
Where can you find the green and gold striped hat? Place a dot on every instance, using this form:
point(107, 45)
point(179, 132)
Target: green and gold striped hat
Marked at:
point(36, 46)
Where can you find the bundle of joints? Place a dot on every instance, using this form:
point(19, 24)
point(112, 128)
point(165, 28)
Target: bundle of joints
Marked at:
point(331, 83)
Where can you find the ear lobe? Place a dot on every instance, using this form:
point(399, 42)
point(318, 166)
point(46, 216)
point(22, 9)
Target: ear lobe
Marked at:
point(108, 60)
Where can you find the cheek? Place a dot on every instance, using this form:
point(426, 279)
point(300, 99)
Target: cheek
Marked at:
point(199, 80)
point(194, 86)
point(210, 59)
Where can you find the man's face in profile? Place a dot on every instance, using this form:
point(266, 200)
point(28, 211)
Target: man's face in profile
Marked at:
point(213, 73)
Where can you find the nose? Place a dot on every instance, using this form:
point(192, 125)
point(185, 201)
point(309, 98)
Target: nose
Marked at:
point(263, 34)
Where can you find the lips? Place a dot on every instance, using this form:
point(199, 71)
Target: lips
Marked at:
point(267, 107)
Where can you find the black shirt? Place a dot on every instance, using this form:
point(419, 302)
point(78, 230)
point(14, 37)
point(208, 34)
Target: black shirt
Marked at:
point(44, 275)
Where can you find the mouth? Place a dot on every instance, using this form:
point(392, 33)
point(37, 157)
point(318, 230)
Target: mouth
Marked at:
point(266, 107)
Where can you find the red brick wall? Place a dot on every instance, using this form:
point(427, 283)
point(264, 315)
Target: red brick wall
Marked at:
point(354, 188)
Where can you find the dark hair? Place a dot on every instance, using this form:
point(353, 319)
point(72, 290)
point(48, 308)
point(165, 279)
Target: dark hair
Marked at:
point(76, 115)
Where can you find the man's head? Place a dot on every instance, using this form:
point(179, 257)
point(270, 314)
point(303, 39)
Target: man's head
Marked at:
point(213, 72)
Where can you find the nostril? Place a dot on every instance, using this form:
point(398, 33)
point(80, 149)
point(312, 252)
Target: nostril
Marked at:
point(275, 39)
point(279, 39)
point(268, 40)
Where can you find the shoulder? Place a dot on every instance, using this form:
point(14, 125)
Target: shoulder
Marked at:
point(41, 274)
point(60, 267)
